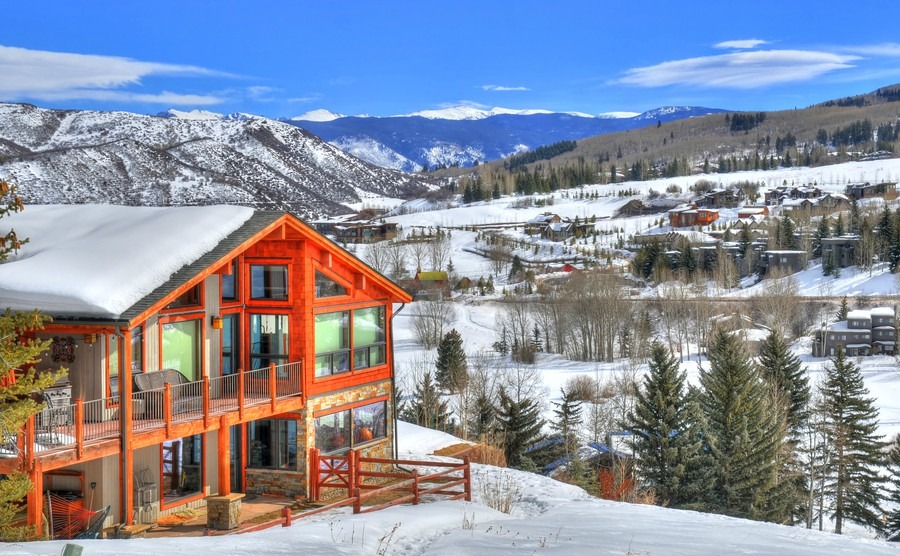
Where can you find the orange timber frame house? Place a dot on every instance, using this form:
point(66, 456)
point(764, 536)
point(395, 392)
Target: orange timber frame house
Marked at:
point(280, 342)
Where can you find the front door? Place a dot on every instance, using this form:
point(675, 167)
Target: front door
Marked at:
point(237, 460)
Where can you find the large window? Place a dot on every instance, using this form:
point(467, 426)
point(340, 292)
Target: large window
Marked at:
point(332, 343)
point(268, 340)
point(112, 367)
point(190, 298)
point(272, 444)
point(368, 337)
point(269, 281)
point(230, 343)
point(340, 431)
point(181, 347)
point(137, 349)
point(182, 468)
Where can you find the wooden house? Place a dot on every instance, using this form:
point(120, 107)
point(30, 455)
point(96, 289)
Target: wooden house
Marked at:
point(783, 260)
point(429, 283)
point(840, 250)
point(239, 338)
point(690, 215)
point(355, 231)
point(886, 190)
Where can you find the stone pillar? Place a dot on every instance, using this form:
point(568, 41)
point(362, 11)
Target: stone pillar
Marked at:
point(223, 512)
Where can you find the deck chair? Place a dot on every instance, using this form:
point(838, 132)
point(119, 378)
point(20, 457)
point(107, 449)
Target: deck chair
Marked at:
point(52, 419)
point(95, 524)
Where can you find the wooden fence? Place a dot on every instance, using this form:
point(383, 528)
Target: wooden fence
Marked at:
point(347, 473)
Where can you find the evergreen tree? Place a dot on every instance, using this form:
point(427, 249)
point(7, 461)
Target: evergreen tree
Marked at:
point(520, 424)
point(426, 408)
point(842, 310)
point(665, 444)
point(17, 402)
point(892, 527)
point(483, 415)
point(822, 232)
point(744, 433)
point(451, 368)
point(851, 423)
point(782, 370)
point(838, 230)
point(515, 268)
point(567, 414)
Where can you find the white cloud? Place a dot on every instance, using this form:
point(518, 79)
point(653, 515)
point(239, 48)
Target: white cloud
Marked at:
point(740, 70)
point(503, 88)
point(740, 44)
point(310, 98)
point(886, 49)
point(45, 75)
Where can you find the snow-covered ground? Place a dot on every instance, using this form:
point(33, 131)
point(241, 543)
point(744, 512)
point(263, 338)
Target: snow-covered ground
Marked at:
point(548, 517)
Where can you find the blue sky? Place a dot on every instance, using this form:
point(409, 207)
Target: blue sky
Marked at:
point(382, 58)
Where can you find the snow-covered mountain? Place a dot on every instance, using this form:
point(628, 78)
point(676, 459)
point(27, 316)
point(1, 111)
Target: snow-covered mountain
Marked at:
point(183, 158)
point(463, 134)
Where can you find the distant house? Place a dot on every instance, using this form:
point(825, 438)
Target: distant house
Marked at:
point(842, 249)
point(751, 333)
point(786, 261)
point(780, 194)
point(535, 226)
point(718, 198)
point(643, 207)
point(833, 202)
point(887, 190)
point(752, 210)
point(348, 230)
point(865, 332)
point(557, 228)
point(690, 215)
point(426, 284)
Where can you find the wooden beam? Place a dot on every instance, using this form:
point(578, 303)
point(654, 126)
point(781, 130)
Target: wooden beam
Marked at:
point(224, 459)
point(35, 497)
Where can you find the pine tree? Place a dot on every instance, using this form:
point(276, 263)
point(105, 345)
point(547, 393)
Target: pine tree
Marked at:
point(483, 416)
point(567, 414)
point(17, 358)
point(520, 424)
point(783, 371)
point(665, 444)
point(822, 231)
point(744, 433)
point(851, 423)
point(892, 526)
point(451, 368)
point(842, 310)
point(426, 408)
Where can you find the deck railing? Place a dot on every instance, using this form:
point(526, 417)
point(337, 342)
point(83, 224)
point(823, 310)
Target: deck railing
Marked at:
point(66, 426)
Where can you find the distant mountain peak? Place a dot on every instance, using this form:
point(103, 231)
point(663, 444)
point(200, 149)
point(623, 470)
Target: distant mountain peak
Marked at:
point(618, 115)
point(320, 115)
point(690, 111)
point(464, 112)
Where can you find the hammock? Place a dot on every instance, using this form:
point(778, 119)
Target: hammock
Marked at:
point(69, 519)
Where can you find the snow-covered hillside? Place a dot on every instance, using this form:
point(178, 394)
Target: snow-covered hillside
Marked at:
point(183, 159)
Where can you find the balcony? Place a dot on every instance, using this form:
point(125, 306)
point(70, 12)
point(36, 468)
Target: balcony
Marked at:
point(157, 413)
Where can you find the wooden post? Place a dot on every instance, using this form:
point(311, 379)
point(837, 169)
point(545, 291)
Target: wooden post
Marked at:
point(126, 423)
point(29, 443)
point(356, 501)
point(79, 428)
point(35, 496)
point(286, 514)
point(272, 384)
point(224, 455)
point(358, 469)
point(205, 385)
point(167, 409)
point(241, 394)
point(314, 473)
point(467, 474)
point(351, 471)
point(415, 487)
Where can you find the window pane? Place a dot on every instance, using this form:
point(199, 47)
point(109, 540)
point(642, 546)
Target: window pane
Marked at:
point(268, 281)
point(137, 349)
point(229, 283)
point(230, 357)
point(182, 464)
point(268, 340)
point(368, 326)
point(333, 432)
point(326, 287)
point(189, 298)
point(369, 422)
point(181, 342)
point(331, 331)
point(260, 443)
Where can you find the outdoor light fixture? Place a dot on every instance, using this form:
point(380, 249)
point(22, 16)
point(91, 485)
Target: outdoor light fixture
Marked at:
point(217, 323)
point(90, 338)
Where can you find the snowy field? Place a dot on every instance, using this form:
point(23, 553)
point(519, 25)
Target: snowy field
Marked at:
point(548, 517)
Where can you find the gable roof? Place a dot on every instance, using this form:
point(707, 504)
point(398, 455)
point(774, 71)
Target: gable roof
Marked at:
point(113, 263)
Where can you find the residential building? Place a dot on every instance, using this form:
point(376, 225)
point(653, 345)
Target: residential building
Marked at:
point(865, 332)
point(690, 215)
point(782, 260)
point(842, 250)
point(354, 231)
point(240, 338)
point(866, 190)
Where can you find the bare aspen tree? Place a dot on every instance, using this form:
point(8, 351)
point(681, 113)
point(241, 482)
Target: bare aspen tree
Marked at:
point(517, 320)
point(430, 320)
point(376, 256)
point(522, 381)
point(418, 249)
point(778, 305)
point(439, 250)
point(674, 311)
point(397, 259)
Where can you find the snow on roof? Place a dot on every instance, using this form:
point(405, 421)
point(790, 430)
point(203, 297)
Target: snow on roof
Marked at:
point(859, 314)
point(99, 260)
point(882, 312)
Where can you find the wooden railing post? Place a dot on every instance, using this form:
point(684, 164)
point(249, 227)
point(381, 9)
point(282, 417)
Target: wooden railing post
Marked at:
point(358, 469)
point(272, 385)
point(351, 471)
point(205, 386)
point(240, 379)
point(314, 474)
point(415, 487)
point(167, 409)
point(356, 501)
point(467, 475)
point(286, 514)
point(28, 448)
point(79, 427)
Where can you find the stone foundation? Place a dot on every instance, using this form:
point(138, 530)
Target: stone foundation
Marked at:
point(276, 482)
